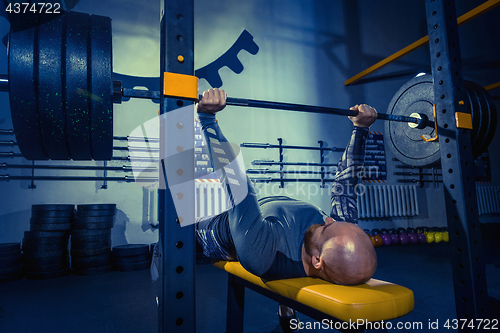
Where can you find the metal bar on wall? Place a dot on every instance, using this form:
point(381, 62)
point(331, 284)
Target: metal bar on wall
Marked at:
point(483, 8)
point(471, 295)
point(177, 301)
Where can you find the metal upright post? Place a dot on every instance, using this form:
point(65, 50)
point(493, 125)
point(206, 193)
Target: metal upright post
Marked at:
point(471, 296)
point(177, 300)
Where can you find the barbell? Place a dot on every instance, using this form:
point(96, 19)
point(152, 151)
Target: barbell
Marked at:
point(61, 92)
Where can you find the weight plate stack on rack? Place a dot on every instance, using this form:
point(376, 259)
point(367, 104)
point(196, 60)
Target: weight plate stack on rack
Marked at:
point(131, 257)
point(91, 239)
point(45, 246)
point(11, 267)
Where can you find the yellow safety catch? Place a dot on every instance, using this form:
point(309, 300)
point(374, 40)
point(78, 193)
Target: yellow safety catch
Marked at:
point(464, 120)
point(180, 86)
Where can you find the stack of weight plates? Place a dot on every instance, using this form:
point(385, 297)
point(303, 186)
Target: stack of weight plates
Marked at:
point(131, 257)
point(45, 247)
point(91, 239)
point(11, 268)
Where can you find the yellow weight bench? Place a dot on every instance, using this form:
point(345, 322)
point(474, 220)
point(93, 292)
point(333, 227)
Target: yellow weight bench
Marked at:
point(366, 305)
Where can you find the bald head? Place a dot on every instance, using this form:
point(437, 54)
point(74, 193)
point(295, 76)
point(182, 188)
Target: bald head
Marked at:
point(341, 253)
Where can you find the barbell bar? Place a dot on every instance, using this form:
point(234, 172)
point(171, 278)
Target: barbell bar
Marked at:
point(68, 112)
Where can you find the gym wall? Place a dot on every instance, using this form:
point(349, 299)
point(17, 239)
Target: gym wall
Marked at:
point(307, 49)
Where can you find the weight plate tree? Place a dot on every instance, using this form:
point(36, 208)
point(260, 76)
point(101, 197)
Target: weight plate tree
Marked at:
point(61, 88)
point(417, 96)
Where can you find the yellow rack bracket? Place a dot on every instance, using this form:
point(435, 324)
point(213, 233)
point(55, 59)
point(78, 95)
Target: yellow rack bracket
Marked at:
point(464, 120)
point(180, 86)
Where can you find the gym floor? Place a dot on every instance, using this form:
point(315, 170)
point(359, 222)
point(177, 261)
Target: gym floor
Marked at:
point(124, 301)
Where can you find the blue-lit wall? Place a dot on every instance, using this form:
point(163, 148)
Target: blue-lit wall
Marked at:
point(307, 49)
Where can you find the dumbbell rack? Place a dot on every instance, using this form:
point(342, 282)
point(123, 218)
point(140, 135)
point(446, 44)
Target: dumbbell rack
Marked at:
point(282, 172)
point(420, 173)
point(104, 168)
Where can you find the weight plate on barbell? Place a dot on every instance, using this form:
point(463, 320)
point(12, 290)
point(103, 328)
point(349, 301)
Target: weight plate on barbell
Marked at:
point(51, 109)
point(101, 87)
point(23, 93)
point(416, 96)
point(77, 89)
point(488, 123)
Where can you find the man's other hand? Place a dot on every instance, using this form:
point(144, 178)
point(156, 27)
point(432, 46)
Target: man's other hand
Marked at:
point(366, 115)
point(212, 101)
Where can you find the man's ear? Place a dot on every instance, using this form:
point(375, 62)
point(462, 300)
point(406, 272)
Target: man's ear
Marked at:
point(317, 262)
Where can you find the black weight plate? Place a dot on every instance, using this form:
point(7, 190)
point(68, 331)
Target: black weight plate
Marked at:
point(51, 114)
point(94, 219)
point(45, 261)
point(11, 270)
point(89, 259)
point(47, 268)
point(477, 137)
point(488, 127)
point(130, 250)
point(131, 259)
point(92, 213)
point(9, 254)
point(90, 245)
point(48, 275)
point(44, 247)
point(417, 95)
point(50, 227)
point(53, 207)
point(87, 239)
point(23, 97)
point(92, 271)
point(45, 240)
point(101, 82)
point(43, 254)
point(92, 226)
point(50, 220)
point(44, 234)
point(474, 106)
point(77, 89)
point(10, 261)
point(51, 213)
point(90, 252)
point(9, 247)
point(132, 266)
point(96, 207)
point(7, 278)
point(94, 232)
point(91, 264)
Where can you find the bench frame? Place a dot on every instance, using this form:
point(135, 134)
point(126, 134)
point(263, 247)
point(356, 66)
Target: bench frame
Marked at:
point(236, 305)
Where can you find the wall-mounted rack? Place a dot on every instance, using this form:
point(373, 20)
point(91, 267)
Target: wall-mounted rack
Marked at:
point(282, 172)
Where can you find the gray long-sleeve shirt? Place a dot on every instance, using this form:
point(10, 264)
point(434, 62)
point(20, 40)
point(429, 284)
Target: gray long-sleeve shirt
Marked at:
point(267, 234)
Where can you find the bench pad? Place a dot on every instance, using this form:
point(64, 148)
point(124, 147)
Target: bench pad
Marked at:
point(373, 301)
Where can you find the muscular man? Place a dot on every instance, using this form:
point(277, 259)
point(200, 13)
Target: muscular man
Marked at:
point(279, 237)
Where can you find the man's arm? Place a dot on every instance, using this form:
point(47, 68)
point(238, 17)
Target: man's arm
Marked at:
point(255, 239)
point(350, 167)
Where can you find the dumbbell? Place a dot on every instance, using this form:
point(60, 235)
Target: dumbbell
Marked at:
point(446, 236)
point(372, 239)
point(412, 235)
point(386, 238)
point(421, 235)
point(438, 235)
point(403, 236)
point(394, 236)
point(377, 238)
point(429, 235)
